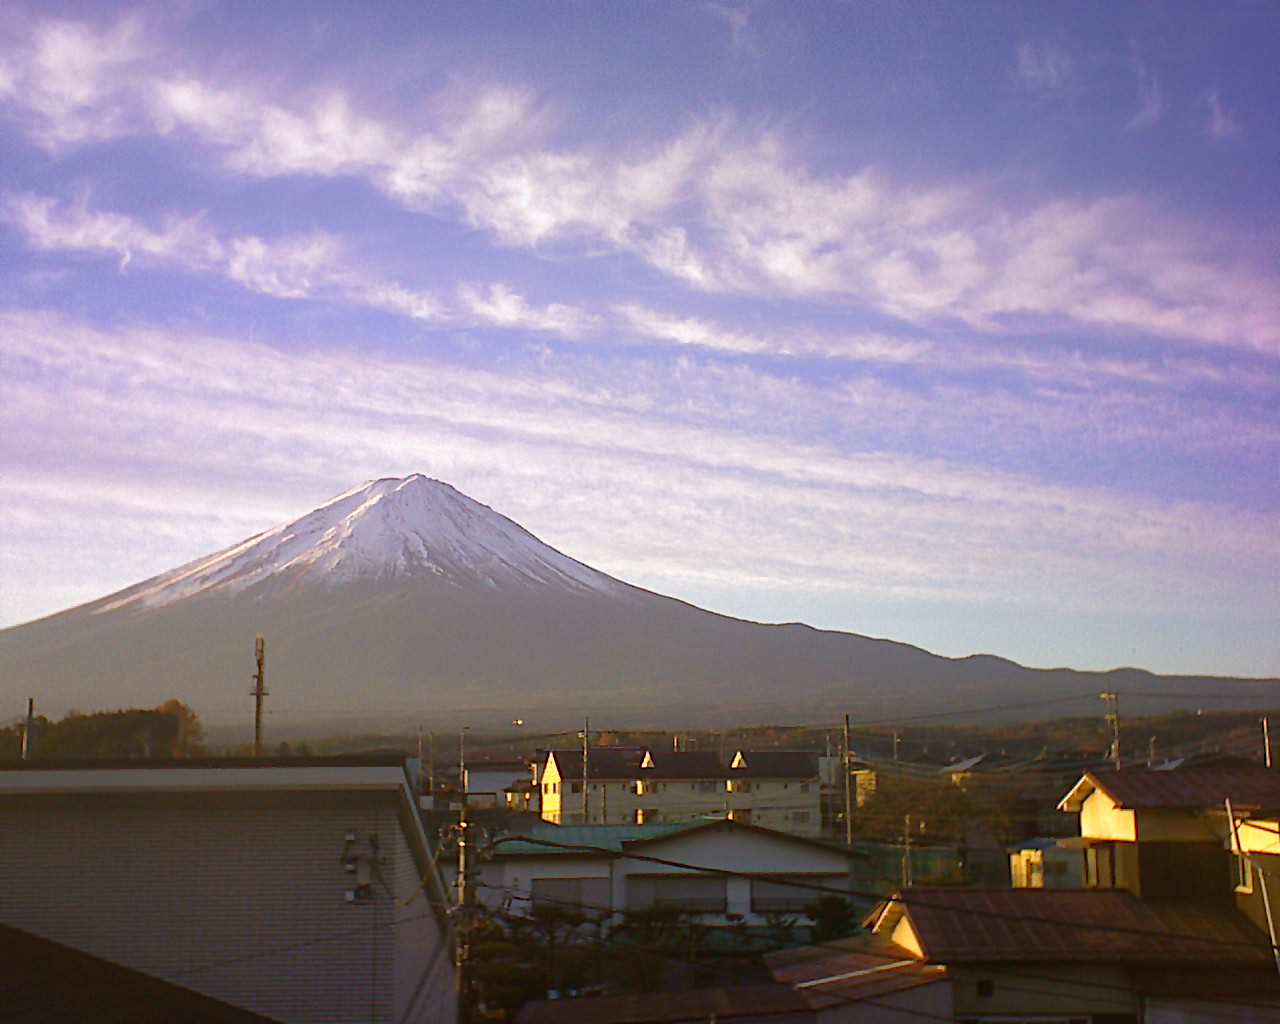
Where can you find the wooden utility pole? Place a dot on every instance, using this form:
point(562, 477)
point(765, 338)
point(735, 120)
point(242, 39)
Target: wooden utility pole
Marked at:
point(462, 763)
point(27, 740)
point(259, 691)
point(422, 768)
point(1113, 719)
point(431, 764)
point(464, 905)
point(848, 788)
point(586, 753)
point(896, 738)
point(906, 851)
point(1266, 741)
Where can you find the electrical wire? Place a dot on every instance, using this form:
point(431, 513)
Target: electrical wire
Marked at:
point(1000, 970)
point(879, 898)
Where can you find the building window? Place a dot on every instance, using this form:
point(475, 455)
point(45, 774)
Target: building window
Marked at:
point(575, 787)
point(1242, 873)
point(583, 895)
point(804, 787)
point(698, 894)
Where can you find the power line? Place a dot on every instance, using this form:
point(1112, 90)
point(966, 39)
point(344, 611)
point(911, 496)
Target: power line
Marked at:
point(1090, 985)
point(877, 897)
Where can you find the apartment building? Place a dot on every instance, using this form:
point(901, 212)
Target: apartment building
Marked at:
point(775, 789)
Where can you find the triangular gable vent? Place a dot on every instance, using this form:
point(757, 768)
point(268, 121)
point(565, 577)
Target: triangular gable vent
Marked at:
point(648, 760)
point(739, 760)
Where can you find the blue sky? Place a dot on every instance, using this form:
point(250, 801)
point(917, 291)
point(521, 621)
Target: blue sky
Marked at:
point(957, 324)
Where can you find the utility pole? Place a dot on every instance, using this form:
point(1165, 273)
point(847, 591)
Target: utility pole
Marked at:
point(464, 906)
point(906, 851)
point(896, 738)
point(30, 724)
point(848, 789)
point(1151, 752)
point(1266, 741)
point(259, 691)
point(1113, 719)
point(422, 768)
point(586, 752)
point(462, 763)
point(431, 765)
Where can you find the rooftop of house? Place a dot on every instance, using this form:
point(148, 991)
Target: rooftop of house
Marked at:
point(682, 764)
point(699, 1004)
point(609, 763)
point(359, 772)
point(1069, 925)
point(49, 983)
point(1248, 787)
point(774, 764)
point(541, 838)
point(850, 970)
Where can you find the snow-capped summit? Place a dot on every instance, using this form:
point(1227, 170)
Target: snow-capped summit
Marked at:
point(382, 529)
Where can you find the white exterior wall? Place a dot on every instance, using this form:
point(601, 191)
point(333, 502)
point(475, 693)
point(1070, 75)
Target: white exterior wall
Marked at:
point(508, 881)
point(240, 897)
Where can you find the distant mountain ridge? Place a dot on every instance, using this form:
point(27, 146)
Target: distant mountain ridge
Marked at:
point(405, 596)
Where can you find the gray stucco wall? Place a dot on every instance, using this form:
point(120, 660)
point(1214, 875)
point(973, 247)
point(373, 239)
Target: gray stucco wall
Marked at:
point(241, 897)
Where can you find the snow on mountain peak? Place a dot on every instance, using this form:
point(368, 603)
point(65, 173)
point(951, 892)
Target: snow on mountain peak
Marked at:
point(382, 529)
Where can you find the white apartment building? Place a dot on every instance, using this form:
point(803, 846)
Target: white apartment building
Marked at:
point(776, 789)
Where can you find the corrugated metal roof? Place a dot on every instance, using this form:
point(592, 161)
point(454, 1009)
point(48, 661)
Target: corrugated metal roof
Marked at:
point(1247, 786)
point(700, 1004)
point(1078, 926)
point(597, 837)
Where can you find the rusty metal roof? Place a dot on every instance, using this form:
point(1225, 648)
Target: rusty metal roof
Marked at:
point(1076, 925)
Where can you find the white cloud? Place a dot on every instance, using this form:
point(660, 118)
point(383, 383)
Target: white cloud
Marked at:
point(1043, 68)
point(1222, 124)
point(721, 485)
point(293, 267)
point(718, 206)
point(500, 305)
point(73, 78)
point(1151, 104)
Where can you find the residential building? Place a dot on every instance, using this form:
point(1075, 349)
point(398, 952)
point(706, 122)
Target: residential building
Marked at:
point(777, 789)
point(1047, 863)
point(638, 785)
point(486, 780)
point(721, 870)
point(301, 889)
point(46, 983)
point(1100, 956)
point(1165, 834)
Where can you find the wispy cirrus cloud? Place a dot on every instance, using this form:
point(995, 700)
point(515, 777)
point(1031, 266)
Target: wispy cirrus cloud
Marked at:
point(311, 266)
point(1044, 68)
point(924, 524)
point(1151, 102)
point(718, 205)
point(1222, 123)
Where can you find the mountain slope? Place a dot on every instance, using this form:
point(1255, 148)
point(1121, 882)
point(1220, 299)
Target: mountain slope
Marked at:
point(406, 596)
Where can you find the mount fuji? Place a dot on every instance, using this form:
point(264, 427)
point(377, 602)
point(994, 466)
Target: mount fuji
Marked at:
point(406, 597)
